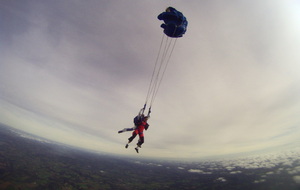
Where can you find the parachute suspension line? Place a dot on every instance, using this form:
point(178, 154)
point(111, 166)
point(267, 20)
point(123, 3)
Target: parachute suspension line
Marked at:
point(153, 73)
point(157, 76)
point(164, 70)
point(162, 61)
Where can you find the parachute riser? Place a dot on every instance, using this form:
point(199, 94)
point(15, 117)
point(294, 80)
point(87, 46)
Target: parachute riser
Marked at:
point(149, 111)
point(141, 112)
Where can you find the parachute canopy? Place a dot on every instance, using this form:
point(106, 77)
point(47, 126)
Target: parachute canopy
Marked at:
point(175, 23)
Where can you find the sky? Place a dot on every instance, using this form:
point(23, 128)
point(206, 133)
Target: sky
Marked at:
point(76, 72)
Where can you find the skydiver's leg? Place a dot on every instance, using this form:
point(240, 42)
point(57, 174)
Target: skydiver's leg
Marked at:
point(130, 139)
point(140, 142)
point(127, 129)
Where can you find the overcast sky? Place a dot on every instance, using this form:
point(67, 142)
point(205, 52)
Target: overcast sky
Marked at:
point(76, 72)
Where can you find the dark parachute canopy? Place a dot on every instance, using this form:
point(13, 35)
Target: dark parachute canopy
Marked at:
point(175, 23)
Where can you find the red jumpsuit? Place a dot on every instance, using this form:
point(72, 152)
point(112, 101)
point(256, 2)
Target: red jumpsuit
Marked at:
point(139, 131)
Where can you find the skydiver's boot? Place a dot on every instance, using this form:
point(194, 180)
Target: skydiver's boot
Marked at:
point(121, 131)
point(138, 146)
point(126, 146)
point(129, 141)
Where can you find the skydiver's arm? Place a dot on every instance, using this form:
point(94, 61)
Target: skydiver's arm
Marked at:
point(147, 126)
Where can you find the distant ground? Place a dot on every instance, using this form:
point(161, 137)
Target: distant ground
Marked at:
point(31, 164)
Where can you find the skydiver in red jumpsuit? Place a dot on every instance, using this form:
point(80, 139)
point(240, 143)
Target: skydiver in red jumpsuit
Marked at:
point(139, 130)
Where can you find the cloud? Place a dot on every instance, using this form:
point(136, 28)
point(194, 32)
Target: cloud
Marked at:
point(221, 179)
point(296, 179)
point(198, 171)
